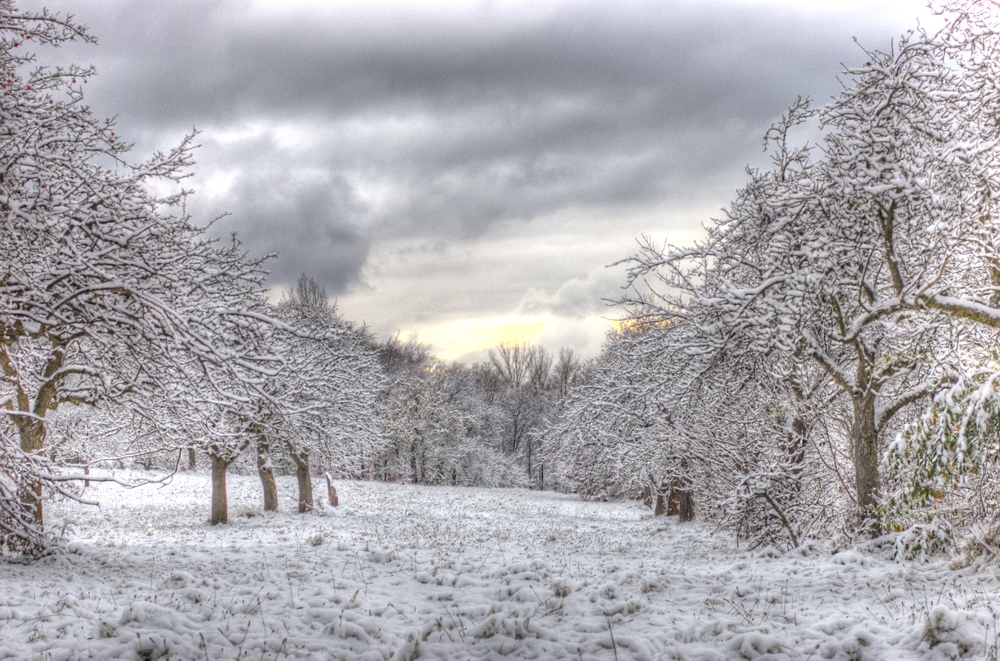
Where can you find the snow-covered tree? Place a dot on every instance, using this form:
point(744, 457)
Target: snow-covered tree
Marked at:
point(324, 402)
point(400, 359)
point(425, 432)
point(805, 258)
point(316, 402)
point(445, 427)
point(937, 159)
point(863, 254)
point(722, 435)
point(102, 281)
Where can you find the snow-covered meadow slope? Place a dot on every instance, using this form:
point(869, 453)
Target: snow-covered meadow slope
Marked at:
point(404, 572)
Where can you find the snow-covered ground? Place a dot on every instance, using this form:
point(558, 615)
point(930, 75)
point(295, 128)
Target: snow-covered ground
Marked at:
point(403, 572)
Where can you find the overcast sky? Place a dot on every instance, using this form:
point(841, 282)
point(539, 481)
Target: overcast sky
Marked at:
point(464, 172)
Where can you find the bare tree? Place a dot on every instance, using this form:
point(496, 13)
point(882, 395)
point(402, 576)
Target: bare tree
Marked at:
point(526, 371)
point(307, 293)
point(513, 362)
point(566, 369)
point(399, 358)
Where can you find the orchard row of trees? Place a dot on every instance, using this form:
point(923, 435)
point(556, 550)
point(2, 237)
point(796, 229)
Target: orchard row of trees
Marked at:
point(124, 328)
point(826, 358)
point(107, 291)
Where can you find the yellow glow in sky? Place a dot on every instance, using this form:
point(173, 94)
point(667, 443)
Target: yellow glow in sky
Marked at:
point(451, 341)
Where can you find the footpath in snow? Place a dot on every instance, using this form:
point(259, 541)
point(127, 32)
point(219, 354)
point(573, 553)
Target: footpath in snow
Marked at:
point(406, 572)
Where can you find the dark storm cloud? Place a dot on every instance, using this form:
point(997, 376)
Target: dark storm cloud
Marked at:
point(443, 123)
point(307, 217)
point(653, 60)
point(305, 224)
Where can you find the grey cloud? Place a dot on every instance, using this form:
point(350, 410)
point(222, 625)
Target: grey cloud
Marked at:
point(216, 62)
point(310, 219)
point(465, 122)
point(584, 78)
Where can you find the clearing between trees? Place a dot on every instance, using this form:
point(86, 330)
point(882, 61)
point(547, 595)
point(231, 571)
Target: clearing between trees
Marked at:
point(405, 571)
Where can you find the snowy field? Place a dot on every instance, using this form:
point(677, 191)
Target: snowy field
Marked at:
point(404, 572)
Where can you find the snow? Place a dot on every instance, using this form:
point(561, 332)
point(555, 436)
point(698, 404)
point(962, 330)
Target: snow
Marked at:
point(403, 572)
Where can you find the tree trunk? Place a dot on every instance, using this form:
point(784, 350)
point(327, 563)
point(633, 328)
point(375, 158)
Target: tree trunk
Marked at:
point(414, 466)
point(527, 452)
point(266, 472)
point(660, 504)
point(32, 434)
point(192, 459)
point(305, 481)
point(331, 491)
point(220, 501)
point(672, 506)
point(864, 451)
point(681, 500)
point(685, 505)
point(646, 496)
point(796, 448)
